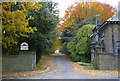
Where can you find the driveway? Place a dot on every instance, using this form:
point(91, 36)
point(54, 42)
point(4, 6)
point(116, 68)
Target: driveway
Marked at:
point(62, 68)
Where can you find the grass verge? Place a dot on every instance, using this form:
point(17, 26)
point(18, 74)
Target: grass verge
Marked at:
point(84, 64)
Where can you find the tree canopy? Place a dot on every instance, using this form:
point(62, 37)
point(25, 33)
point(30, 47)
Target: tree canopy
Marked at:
point(79, 47)
point(77, 24)
point(15, 21)
point(80, 11)
point(34, 23)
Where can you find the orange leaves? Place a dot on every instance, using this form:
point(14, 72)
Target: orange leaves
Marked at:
point(82, 10)
point(92, 73)
point(105, 10)
point(72, 27)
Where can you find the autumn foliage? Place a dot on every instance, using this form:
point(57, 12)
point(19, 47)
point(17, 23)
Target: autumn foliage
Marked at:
point(77, 24)
point(82, 10)
point(15, 21)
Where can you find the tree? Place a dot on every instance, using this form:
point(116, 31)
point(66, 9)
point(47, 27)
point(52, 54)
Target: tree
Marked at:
point(80, 11)
point(15, 21)
point(79, 47)
point(45, 21)
point(76, 16)
point(57, 44)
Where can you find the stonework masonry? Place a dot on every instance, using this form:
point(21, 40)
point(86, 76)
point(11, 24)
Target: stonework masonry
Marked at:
point(107, 62)
point(24, 61)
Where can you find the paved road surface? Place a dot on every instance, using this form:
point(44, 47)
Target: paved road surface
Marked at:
point(63, 69)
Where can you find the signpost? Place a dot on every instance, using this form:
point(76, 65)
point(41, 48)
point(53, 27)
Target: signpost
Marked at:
point(24, 46)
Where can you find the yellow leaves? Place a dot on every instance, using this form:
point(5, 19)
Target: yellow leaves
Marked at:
point(36, 6)
point(30, 5)
point(31, 18)
point(30, 30)
point(23, 35)
point(93, 73)
point(15, 22)
point(7, 5)
point(18, 12)
point(4, 44)
point(7, 40)
point(34, 28)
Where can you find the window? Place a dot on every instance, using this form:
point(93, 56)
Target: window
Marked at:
point(97, 37)
point(118, 43)
point(118, 51)
point(103, 45)
point(102, 34)
point(118, 47)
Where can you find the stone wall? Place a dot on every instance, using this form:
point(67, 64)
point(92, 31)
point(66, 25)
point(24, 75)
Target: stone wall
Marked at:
point(25, 61)
point(108, 37)
point(107, 62)
point(119, 33)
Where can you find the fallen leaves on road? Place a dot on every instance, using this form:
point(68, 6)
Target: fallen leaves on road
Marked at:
point(27, 73)
point(43, 66)
point(92, 73)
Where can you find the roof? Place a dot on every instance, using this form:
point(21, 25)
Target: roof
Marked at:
point(96, 27)
point(115, 17)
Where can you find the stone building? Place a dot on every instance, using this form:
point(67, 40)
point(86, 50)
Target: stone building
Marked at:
point(106, 44)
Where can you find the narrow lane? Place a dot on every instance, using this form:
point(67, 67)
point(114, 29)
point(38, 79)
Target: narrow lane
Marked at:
point(62, 68)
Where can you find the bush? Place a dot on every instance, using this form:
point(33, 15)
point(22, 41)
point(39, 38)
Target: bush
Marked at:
point(13, 49)
point(79, 46)
point(75, 58)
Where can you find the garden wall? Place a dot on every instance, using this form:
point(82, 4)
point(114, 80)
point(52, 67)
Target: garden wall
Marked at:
point(25, 61)
point(107, 62)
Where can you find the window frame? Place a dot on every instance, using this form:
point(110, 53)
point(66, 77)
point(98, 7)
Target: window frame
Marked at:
point(117, 47)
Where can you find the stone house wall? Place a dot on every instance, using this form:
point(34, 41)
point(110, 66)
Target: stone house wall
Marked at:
point(108, 37)
point(108, 60)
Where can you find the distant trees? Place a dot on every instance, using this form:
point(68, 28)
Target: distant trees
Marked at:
point(77, 24)
point(57, 44)
point(82, 10)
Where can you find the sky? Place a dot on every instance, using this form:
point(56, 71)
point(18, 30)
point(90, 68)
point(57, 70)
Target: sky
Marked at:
point(63, 4)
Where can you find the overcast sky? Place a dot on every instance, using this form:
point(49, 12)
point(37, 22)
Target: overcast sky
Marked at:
point(63, 4)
